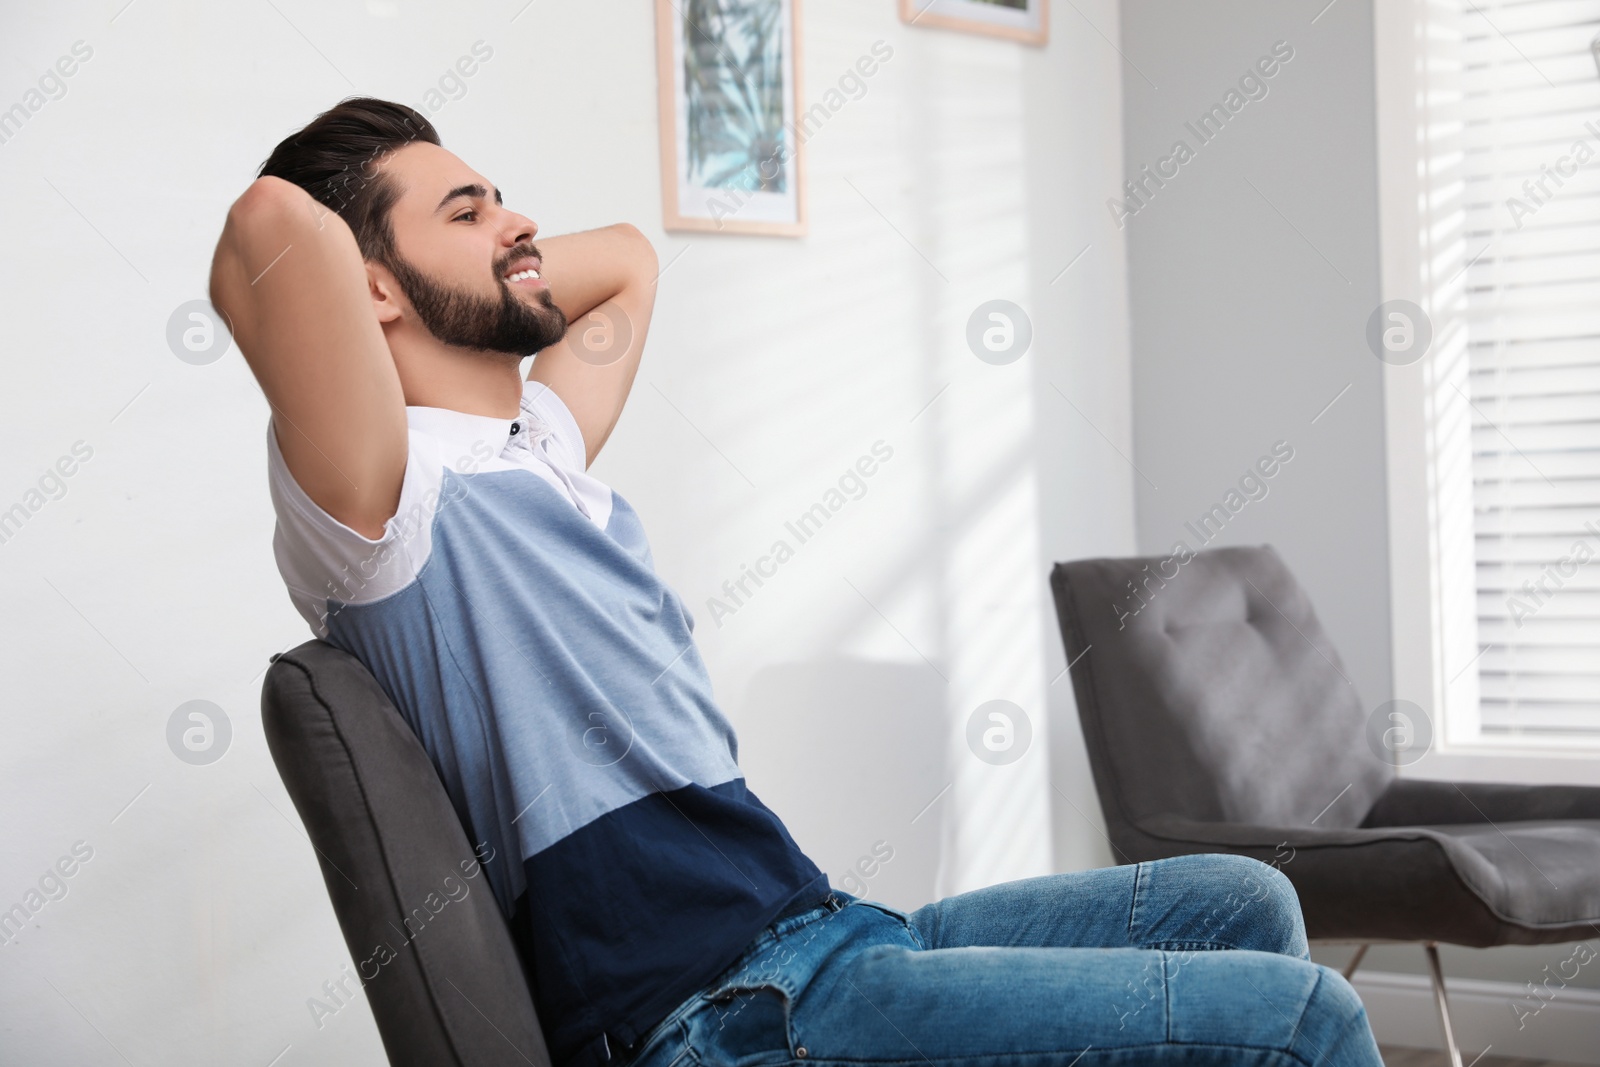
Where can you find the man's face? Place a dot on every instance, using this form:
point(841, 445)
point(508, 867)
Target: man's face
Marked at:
point(468, 266)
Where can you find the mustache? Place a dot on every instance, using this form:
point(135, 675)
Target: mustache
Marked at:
point(522, 251)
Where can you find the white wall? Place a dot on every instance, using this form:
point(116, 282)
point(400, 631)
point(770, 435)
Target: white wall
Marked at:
point(1252, 274)
point(971, 169)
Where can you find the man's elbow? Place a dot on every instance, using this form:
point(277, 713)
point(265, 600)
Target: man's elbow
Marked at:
point(642, 252)
point(272, 213)
point(268, 203)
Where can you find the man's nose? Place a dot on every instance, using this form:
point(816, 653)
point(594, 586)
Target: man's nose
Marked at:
point(517, 229)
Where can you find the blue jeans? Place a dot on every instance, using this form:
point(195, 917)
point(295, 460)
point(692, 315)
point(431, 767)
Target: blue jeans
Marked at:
point(1113, 966)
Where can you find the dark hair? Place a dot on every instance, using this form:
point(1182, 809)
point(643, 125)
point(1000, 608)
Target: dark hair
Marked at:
point(338, 159)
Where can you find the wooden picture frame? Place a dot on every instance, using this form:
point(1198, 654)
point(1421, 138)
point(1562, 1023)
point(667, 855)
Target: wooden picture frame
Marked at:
point(738, 168)
point(1029, 24)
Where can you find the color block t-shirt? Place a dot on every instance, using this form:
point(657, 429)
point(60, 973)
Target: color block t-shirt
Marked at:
point(512, 612)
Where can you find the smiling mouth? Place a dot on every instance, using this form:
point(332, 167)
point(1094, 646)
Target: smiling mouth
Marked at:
point(526, 275)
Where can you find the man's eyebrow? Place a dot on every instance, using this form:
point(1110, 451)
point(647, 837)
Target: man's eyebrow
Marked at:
point(459, 191)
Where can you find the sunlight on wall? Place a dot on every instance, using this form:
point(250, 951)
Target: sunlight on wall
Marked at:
point(997, 817)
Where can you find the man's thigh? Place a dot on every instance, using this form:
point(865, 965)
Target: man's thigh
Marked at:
point(1046, 1007)
point(1187, 902)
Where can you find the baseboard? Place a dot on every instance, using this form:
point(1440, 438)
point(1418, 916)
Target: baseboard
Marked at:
point(1565, 1028)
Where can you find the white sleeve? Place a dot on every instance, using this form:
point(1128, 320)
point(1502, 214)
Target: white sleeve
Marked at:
point(565, 443)
point(322, 559)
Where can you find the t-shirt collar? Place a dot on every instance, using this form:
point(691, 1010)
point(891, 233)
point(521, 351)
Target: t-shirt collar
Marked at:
point(471, 433)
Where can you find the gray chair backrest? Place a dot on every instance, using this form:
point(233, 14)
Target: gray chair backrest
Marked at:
point(1207, 689)
point(435, 955)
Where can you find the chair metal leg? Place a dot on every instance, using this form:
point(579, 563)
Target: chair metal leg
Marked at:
point(1355, 961)
point(1432, 949)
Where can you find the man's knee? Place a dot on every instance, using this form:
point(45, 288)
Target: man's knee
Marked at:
point(1334, 1027)
point(1336, 996)
point(1282, 923)
point(1248, 904)
point(1266, 1000)
point(1272, 916)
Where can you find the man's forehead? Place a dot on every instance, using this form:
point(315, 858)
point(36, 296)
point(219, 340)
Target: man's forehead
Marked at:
point(428, 173)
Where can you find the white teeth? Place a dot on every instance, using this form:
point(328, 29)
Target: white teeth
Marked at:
point(522, 275)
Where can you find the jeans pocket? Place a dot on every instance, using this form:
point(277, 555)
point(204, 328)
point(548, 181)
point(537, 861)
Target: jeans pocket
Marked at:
point(743, 1024)
point(896, 914)
point(886, 909)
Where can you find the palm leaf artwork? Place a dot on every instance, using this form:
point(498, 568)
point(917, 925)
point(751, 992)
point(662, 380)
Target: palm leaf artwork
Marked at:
point(734, 86)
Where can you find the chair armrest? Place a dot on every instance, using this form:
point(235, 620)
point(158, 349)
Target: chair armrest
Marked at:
point(1421, 802)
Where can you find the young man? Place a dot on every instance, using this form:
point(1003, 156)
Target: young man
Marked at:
point(437, 520)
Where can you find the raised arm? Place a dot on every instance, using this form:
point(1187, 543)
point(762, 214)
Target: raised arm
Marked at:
point(289, 277)
point(604, 281)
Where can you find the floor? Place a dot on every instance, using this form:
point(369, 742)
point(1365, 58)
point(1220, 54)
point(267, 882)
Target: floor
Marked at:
point(1419, 1057)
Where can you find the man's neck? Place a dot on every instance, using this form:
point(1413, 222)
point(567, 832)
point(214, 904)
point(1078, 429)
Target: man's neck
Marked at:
point(478, 383)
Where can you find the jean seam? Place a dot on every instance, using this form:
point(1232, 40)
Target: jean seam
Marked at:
point(1208, 945)
point(1166, 994)
point(1133, 905)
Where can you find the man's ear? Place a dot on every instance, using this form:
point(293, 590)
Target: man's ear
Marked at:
point(385, 292)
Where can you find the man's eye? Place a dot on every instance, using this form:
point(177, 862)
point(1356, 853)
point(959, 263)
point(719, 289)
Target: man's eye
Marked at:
point(464, 214)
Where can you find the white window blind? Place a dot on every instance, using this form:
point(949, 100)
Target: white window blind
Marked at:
point(1530, 123)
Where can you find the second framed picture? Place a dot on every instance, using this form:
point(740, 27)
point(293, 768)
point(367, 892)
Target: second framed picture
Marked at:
point(1020, 20)
point(729, 72)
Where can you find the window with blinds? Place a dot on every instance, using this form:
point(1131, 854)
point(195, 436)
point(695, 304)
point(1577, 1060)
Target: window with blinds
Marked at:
point(1530, 113)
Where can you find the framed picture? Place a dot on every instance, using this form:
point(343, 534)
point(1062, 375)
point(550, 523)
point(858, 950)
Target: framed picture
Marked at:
point(731, 157)
point(1020, 20)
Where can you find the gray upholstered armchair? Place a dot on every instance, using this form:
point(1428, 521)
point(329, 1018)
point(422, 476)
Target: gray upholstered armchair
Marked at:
point(434, 953)
point(1218, 718)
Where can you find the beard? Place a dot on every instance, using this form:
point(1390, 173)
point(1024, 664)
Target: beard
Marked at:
point(467, 319)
